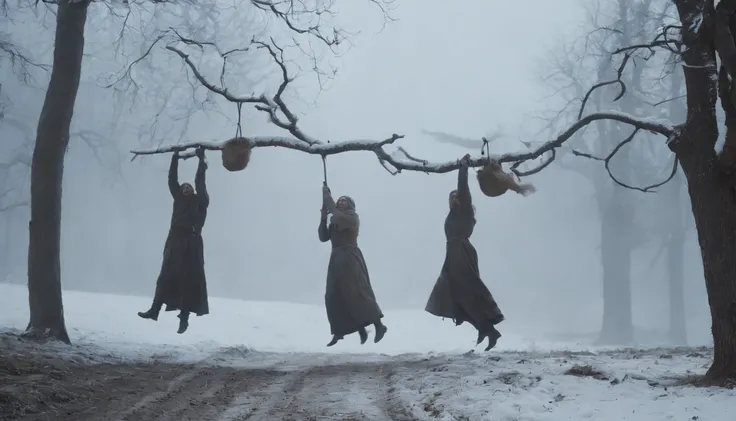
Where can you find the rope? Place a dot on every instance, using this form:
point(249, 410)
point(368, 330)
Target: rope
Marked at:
point(324, 168)
point(324, 175)
point(485, 148)
point(239, 128)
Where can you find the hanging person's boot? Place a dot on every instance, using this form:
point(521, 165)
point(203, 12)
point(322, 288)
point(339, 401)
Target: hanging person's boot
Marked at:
point(380, 331)
point(151, 313)
point(493, 337)
point(363, 335)
point(183, 322)
point(334, 340)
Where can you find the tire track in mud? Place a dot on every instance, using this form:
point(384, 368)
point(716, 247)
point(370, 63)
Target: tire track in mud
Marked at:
point(352, 391)
point(289, 387)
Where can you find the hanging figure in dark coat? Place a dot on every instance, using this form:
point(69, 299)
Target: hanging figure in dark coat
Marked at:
point(182, 284)
point(459, 293)
point(349, 298)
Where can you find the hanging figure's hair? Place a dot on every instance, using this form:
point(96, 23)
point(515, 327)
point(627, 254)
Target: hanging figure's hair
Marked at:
point(455, 192)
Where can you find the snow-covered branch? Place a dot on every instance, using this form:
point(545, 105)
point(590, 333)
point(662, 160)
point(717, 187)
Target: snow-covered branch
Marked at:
point(399, 160)
point(410, 163)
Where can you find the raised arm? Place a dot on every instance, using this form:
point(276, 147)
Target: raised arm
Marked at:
point(463, 190)
point(174, 176)
point(323, 231)
point(327, 201)
point(199, 182)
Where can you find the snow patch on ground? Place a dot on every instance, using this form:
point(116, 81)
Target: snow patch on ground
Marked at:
point(96, 319)
point(432, 371)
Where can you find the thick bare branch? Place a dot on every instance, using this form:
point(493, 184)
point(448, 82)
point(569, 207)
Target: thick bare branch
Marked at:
point(618, 81)
point(415, 164)
point(607, 163)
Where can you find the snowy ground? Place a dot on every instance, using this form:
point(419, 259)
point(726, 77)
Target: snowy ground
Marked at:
point(267, 361)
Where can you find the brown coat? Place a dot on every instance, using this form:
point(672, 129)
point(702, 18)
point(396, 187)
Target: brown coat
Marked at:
point(459, 292)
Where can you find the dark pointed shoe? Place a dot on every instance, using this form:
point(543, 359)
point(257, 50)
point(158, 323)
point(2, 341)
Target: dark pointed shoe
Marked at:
point(150, 314)
point(363, 335)
point(481, 336)
point(493, 339)
point(334, 340)
point(380, 332)
point(183, 325)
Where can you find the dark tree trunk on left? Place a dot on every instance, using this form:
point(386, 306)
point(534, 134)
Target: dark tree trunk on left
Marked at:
point(47, 170)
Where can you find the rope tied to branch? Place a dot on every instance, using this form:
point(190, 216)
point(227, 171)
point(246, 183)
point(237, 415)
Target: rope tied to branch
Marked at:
point(236, 151)
point(239, 126)
point(324, 168)
point(485, 148)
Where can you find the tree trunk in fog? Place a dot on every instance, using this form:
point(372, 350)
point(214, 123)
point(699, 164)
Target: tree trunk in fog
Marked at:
point(617, 326)
point(675, 270)
point(675, 247)
point(6, 247)
point(47, 169)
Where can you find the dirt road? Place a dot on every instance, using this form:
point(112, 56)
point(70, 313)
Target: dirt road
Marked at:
point(294, 390)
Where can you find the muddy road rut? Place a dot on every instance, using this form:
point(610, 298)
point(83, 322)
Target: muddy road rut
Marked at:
point(288, 391)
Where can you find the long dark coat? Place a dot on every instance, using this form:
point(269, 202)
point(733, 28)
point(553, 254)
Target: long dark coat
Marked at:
point(459, 292)
point(182, 284)
point(349, 298)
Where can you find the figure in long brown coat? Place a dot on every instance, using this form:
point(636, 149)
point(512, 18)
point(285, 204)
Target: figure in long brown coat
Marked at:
point(349, 299)
point(459, 293)
point(182, 284)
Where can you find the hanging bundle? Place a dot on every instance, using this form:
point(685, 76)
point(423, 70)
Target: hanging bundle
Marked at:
point(236, 154)
point(236, 151)
point(494, 182)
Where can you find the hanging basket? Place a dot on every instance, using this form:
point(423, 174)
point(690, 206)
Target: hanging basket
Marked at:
point(494, 182)
point(236, 154)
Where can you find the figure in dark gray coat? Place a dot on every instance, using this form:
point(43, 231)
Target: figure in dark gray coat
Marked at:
point(182, 284)
point(349, 298)
point(459, 293)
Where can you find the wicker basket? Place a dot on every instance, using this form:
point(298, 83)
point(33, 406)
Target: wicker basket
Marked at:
point(236, 154)
point(493, 181)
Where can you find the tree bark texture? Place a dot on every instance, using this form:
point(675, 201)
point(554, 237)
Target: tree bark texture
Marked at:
point(47, 169)
point(712, 194)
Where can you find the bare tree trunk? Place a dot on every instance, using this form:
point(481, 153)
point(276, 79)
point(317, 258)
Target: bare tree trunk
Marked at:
point(47, 170)
point(676, 243)
point(714, 208)
point(617, 327)
point(675, 268)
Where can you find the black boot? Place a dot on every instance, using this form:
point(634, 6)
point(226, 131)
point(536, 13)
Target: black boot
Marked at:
point(363, 335)
point(334, 340)
point(493, 337)
point(183, 322)
point(152, 313)
point(481, 336)
point(380, 331)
